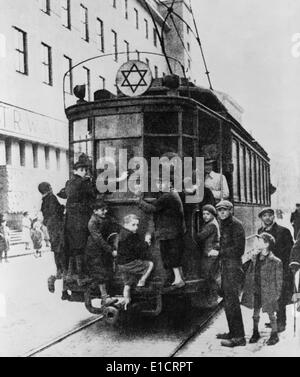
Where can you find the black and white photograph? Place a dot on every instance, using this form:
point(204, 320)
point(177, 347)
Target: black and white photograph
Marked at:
point(149, 181)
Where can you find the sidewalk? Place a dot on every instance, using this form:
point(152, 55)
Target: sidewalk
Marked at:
point(19, 250)
point(206, 344)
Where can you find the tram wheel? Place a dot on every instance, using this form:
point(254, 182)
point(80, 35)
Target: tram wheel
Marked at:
point(111, 315)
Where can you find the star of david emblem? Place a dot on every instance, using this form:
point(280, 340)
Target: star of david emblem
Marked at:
point(134, 78)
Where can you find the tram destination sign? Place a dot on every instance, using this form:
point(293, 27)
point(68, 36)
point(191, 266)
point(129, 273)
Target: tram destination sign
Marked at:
point(134, 78)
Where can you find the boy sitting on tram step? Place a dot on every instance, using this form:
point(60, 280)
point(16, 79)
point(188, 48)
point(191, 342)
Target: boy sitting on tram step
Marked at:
point(131, 250)
point(170, 227)
point(99, 254)
point(263, 284)
point(209, 241)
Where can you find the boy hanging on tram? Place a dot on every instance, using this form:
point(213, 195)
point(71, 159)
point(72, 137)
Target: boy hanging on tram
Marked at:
point(99, 253)
point(131, 258)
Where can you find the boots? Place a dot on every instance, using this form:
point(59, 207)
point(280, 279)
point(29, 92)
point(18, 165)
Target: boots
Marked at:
point(255, 337)
point(82, 279)
point(273, 339)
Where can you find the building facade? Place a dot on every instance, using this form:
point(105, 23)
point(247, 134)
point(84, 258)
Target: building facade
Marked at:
point(40, 40)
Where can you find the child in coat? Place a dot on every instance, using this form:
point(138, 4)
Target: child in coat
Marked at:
point(37, 238)
point(263, 284)
point(131, 253)
point(99, 253)
point(4, 238)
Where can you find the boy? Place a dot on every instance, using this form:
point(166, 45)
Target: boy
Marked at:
point(263, 285)
point(99, 254)
point(4, 238)
point(131, 250)
point(170, 228)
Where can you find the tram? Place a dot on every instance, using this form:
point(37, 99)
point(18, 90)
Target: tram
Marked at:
point(185, 120)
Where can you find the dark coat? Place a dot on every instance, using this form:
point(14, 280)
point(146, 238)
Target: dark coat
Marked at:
point(131, 247)
point(208, 238)
point(169, 216)
point(53, 214)
point(80, 194)
point(271, 275)
point(283, 247)
point(98, 250)
point(232, 240)
point(37, 238)
point(295, 220)
point(4, 238)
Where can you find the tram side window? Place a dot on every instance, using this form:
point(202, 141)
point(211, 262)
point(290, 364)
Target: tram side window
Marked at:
point(265, 184)
point(188, 123)
point(248, 176)
point(82, 133)
point(262, 188)
point(161, 123)
point(235, 160)
point(242, 174)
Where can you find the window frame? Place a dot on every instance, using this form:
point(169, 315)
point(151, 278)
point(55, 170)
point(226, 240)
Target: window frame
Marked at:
point(115, 44)
point(127, 47)
point(45, 7)
point(84, 23)
point(48, 49)
point(66, 11)
point(136, 12)
point(23, 52)
point(100, 34)
point(146, 28)
point(69, 76)
point(87, 81)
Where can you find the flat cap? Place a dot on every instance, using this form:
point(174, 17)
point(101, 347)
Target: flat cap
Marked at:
point(224, 204)
point(210, 208)
point(266, 210)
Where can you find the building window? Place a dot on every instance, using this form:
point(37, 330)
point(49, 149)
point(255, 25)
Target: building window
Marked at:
point(156, 71)
point(35, 156)
point(66, 13)
point(187, 29)
point(155, 37)
point(45, 6)
point(138, 55)
point(127, 49)
point(69, 76)
point(100, 34)
point(136, 12)
point(21, 51)
point(84, 21)
point(126, 9)
point(47, 64)
point(148, 62)
point(57, 154)
point(188, 47)
point(115, 44)
point(146, 29)
point(22, 148)
point(102, 82)
point(114, 3)
point(8, 151)
point(87, 78)
point(189, 64)
point(47, 157)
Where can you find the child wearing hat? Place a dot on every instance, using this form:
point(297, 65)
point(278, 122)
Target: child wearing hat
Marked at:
point(209, 242)
point(99, 253)
point(131, 255)
point(263, 284)
point(4, 238)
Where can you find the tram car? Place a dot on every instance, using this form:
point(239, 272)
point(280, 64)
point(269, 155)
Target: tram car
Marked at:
point(181, 119)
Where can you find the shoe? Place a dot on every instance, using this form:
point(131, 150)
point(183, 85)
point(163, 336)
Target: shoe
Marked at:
point(65, 296)
point(181, 284)
point(273, 339)
point(234, 342)
point(280, 327)
point(224, 336)
point(51, 284)
point(255, 337)
point(268, 325)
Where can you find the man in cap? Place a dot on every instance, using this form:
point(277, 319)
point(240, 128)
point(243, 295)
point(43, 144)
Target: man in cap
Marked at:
point(80, 194)
point(284, 244)
point(216, 182)
point(232, 247)
point(295, 220)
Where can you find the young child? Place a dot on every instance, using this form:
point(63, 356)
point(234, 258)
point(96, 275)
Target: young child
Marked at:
point(37, 238)
point(263, 285)
point(131, 250)
point(170, 228)
point(99, 254)
point(209, 241)
point(4, 238)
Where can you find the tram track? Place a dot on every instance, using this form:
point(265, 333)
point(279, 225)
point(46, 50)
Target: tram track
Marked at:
point(198, 329)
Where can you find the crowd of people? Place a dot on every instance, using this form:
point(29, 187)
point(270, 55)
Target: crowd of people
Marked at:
point(88, 245)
